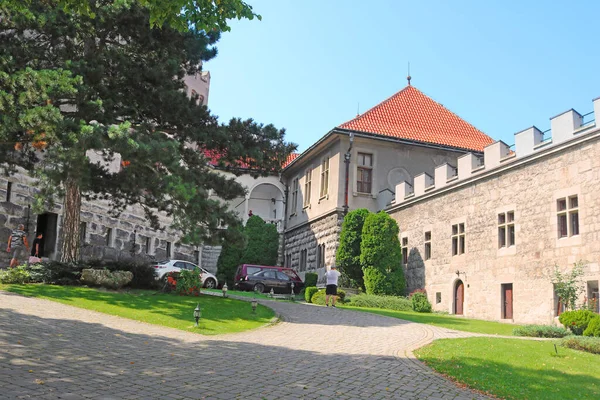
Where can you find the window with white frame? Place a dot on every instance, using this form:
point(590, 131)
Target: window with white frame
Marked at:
point(567, 214)
point(294, 196)
point(364, 172)
point(458, 239)
point(307, 187)
point(405, 250)
point(427, 245)
point(324, 177)
point(506, 229)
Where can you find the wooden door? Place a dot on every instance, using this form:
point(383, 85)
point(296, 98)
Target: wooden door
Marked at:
point(507, 301)
point(459, 297)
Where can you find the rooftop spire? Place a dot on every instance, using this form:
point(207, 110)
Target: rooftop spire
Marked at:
point(408, 78)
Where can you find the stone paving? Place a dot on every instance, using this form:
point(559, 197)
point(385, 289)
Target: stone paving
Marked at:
point(53, 351)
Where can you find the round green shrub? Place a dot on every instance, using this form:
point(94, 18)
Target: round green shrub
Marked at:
point(577, 321)
point(319, 297)
point(310, 279)
point(375, 282)
point(420, 303)
point(593, 328)
point(309, 291)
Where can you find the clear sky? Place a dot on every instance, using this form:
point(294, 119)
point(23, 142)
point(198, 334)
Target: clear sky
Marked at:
point(501, 65)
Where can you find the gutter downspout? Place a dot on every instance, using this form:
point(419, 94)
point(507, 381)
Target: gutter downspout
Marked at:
point(347, 162)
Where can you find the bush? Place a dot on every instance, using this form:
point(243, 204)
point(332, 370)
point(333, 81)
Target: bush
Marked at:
point(593, 328)
point(544, 331)
point(143, 273)
point(309, 291)
point(375, 282)
point(348, 253)
point(588, 344)
point(383, 302)
point(230, 256)
point(189, 282)
point(263, 242)
point(310, 279)
point(319, 297)
point(577, 321)
point(420, 303)
point(17, 275)
point(55, 272)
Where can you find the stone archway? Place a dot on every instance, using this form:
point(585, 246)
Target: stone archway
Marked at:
point(267, 201)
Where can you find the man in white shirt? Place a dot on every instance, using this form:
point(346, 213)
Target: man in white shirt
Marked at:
point(331, 289)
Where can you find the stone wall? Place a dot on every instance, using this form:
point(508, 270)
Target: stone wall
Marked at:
point(531, 188)
point(324, 230)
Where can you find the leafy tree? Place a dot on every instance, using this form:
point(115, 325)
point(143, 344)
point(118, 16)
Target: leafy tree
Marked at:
point(568, 286)
point(123, 101)
point(348, 252)
point(380, 254)
point(263, 242)
point(230, 258)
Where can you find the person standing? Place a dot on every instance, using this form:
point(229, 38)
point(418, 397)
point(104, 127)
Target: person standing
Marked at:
point(17, 242)
point(36, 246)
point(332, 282)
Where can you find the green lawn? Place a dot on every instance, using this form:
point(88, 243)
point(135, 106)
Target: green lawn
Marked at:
point(218, 315)
point(445, 321)
point(516, 368)
point(259, 296)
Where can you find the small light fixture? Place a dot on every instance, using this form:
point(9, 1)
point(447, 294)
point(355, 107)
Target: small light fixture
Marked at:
point(254, 305)
point(271, 293)
point(197, 313)
point(292, 295)
point(225, 290)
point(457, 273)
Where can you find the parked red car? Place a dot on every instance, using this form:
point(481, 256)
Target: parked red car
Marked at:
point(254, 277)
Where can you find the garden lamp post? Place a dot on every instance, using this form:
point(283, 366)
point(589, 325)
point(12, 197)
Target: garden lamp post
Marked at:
point(292, 295)
point(254, 305)
point(225, 290)
point(197, 313)
point(271, 293)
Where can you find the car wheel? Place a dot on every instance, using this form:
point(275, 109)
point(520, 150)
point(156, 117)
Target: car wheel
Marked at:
point(259, 288)
point(210, 283)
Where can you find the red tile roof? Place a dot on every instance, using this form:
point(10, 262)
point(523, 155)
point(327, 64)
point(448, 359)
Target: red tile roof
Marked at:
point(290, 158)
point(410, 114)
point(214, 157)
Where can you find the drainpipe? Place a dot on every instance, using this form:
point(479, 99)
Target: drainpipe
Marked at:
point(347, 162)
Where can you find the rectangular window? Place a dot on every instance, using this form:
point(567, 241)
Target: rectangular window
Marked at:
point(405, 250)
point(288, 260)
point(324, 177)
point(567, 217)
point(169, 250)
point(82, 232)
point(427, 246)
point(307, 187)
point(506, 229)
point(438, 297)
point(8, 191)
point(294, 196)
point(303, 259)
point(147, 245)
point(109, 237)
point(458, 239)
point(364, 173)
point(197, 257)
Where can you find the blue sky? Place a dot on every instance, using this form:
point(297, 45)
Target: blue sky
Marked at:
point(502, 66)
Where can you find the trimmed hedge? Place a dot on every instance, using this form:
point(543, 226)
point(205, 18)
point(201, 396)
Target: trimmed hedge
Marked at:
point(583, 343)
point(543, 331)
point(420, 303)
point(384, 302)
point(577, 321)
point(319, 297)
point(309, 291)
point(593, 328)
point(310, 279)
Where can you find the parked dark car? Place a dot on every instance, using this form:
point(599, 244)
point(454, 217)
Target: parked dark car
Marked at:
point(267, 279)
point(245, 270)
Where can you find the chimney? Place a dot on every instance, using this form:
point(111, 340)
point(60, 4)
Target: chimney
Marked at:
point(563, 125)
point(422, 182)
point(466, 164)
point(527, 140)
point(495, 152)
point(443, 174)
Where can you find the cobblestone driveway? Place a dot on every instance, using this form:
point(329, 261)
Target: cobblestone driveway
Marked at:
point(53, 351)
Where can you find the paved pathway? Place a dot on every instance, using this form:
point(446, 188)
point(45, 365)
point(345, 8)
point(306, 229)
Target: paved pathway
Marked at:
point(53, 351)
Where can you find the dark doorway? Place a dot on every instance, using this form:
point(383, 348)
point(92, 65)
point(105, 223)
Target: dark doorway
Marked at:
point(507, 301)
point(46, 225)
point(459, 298)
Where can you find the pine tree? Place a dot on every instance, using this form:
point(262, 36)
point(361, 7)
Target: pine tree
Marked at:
point(262, 242)
point(124, 99)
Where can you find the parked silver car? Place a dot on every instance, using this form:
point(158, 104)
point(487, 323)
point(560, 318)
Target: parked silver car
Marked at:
point(162, 268)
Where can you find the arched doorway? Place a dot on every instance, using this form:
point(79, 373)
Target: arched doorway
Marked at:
point(266, 201)
point(459, 297)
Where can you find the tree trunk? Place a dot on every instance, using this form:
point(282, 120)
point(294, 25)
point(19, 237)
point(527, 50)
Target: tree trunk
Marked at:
point(71, 221)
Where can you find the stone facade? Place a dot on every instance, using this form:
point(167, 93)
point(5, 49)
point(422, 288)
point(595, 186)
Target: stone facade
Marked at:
point(321, 231)
point(531, 189)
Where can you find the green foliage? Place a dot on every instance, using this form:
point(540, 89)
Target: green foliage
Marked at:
point(122, 110)
point(568, 286)
point(262, 242)
point(309, 291)
point(348, 253)
point(18, 275)
point(310, 279)
point(544, 331)
point(189, 282)
point(420, 303)
point(319, 297)
point(380, 251)
point(583, 343)
point(577, 321)
point(56, 272)
point(383, 302)
point(230, 258)
point(143, 273)
point(593, 328)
